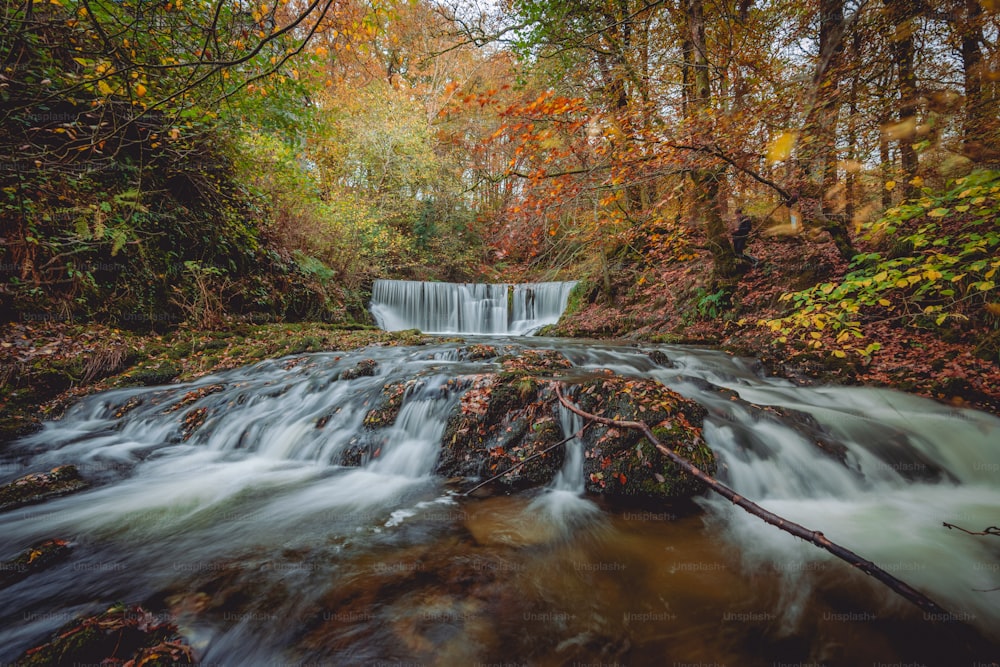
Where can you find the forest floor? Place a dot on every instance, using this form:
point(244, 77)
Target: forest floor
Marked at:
point(672, 303)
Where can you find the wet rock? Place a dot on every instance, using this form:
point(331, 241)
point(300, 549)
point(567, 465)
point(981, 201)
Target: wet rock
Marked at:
point(15, 426)
point(192, 396)
point(364, 368)
point(660, 358)
point(478, 352)
point(806, 425)
point(508, 427)
point(33, 559)
point(121, 635)
point(506, 423)
point(390, 402)
point(193, 419)
point(40, 486)
point(622, 463)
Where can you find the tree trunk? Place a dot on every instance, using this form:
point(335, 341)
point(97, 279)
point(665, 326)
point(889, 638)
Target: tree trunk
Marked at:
point(901, 13)
point(706, 180)
point(979, 122)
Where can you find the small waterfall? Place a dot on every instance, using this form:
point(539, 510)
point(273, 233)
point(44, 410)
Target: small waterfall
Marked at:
point(563, 504)
point(468, 308)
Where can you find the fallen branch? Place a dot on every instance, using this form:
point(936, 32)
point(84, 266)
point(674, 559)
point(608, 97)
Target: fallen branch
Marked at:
point(533, 456)
point(931, 609)
point(992, 530)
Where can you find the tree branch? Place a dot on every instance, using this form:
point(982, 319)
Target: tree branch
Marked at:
point(930, 608)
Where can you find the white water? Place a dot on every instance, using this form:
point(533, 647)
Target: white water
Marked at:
point(468, 308)
point(257, 492)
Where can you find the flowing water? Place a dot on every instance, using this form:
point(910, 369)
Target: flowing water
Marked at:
point(268, 552)
point(468, 308)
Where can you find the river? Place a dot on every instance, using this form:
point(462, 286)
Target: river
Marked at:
point(249, 533)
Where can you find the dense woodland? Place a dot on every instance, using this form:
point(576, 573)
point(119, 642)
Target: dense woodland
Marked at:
point(200, 162)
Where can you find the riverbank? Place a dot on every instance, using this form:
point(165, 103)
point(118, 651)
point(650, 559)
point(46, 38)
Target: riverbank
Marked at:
point(673, 303)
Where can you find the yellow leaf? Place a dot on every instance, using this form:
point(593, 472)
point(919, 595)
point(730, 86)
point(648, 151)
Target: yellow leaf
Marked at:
point(902, 282)
point(140, 90)
point(955, 279)
point(993, 308)
point(880, 276)
point(890, 185)
point(815, 334)
point(963, 208)
point(840, 354)
point(938, 213)
point(781, 146)
point(917, 181)
point(884, 302)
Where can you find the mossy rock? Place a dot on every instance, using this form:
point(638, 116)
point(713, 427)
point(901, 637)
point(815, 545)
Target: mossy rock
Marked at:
point(364, 368)
point(502, 421)
point(478, 352)
point(119, 635)
point(153, 374)
point(621, 462)
point(33, 559)
point(14, 426)
point(389, 404)
point(40, 486)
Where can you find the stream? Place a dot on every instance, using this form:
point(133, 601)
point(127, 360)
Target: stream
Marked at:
point(266, 551)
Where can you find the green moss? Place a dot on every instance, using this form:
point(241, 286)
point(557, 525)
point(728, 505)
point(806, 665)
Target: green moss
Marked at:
point(40, 486)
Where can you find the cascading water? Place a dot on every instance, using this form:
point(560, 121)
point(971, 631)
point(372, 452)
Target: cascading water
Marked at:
point(284, 529)
point(467, 308)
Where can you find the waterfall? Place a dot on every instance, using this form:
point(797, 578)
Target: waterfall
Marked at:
point(468, 308)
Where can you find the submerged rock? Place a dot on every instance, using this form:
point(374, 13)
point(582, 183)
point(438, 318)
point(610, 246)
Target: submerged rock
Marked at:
point(40, 486)
point(122, 635)
point(33, 559)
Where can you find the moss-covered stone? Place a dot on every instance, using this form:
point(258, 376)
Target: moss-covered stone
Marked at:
point(154, 373)
point(40, 486)
point(622, 462)
point(389, 404)
point(118, 636)
point(364, 368)
point(508, 422)
point(33, 559)
point(503, 420)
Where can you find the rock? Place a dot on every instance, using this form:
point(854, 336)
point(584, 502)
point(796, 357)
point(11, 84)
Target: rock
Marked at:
point(501, 422)
point(119, 635)
point(33, 559)
point(154, 374)
point(364, 368)
point(40, 486)
point(508, 426)
point(622, 463)
point(390, 401)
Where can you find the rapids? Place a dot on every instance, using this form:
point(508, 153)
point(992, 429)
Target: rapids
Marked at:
point(266, 551)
